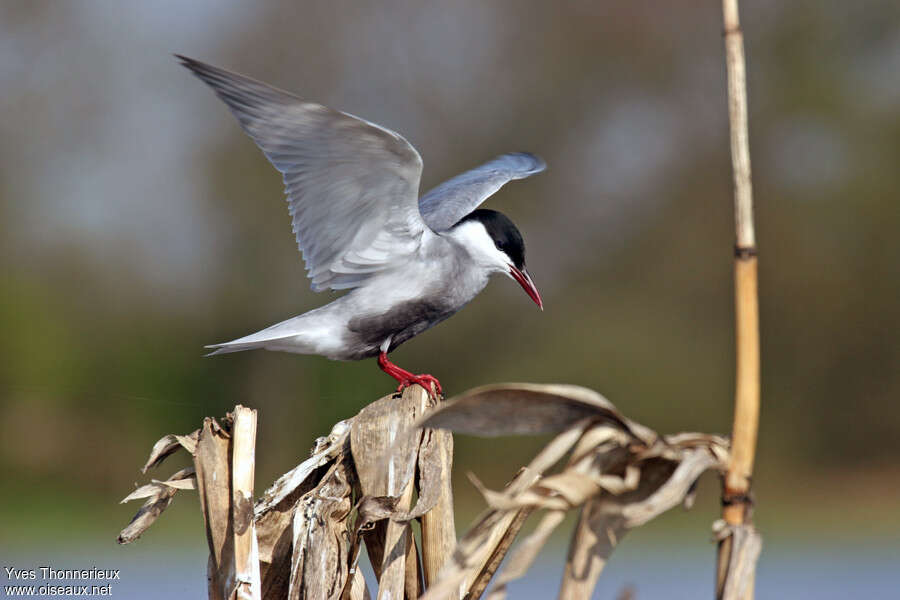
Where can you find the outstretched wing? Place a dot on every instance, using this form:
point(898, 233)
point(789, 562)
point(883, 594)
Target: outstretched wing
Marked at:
point(449, 202)
point(351, 185)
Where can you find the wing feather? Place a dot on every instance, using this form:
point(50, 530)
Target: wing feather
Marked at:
point(445, 205)
point(351, 185)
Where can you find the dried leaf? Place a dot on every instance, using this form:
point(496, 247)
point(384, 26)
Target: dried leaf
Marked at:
point(550, 454)
point(399, 563)
point(274, 512)
point(435, 502)
point(499, 547)
point(320, 566)
point(169, 444)
point(589, 550)
point(213, 464)
point(526, 552)
point(371, 509)
point(481, 550)
point(384, 444)
point(327, 448)
point(147, 514)
point(618, 472)
point(624, 473)
point(185, 484)
point(526, 408)
point(357, 590)
point(575, 488)
point(385, 448)
point(672, 491)
point(159, 494)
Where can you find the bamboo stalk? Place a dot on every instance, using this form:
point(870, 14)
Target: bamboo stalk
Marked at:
point(736, 489)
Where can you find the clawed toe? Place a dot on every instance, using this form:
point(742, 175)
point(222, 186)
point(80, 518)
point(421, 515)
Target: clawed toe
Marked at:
point(424, 380)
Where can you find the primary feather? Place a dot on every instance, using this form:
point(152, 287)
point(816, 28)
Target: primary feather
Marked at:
point(351, 185)
point(448, 203)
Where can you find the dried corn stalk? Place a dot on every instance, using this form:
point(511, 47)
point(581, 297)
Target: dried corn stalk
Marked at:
point(302, 539)
point(619, 473)
point(224, 461)
point(358, 486)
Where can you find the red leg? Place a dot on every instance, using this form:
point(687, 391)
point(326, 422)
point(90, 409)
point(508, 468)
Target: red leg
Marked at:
point(405, 378)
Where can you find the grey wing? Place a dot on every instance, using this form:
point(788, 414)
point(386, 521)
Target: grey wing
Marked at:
point(449, 202)
point(351, 185)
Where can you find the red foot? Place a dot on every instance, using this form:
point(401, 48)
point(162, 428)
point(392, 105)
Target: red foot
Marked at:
point(406, 379)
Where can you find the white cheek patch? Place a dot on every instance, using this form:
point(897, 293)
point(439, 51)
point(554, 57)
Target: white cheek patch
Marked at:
point(481, 246)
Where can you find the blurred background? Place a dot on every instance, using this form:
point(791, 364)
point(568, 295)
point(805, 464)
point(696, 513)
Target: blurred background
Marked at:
point(139, 223)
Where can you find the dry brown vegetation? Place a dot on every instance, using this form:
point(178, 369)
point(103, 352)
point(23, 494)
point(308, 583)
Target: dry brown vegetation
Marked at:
point(389, 465)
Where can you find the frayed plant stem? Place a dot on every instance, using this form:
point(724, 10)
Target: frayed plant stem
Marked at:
point(736, 490)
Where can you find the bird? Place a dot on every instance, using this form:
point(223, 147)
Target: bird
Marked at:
point(352, 189)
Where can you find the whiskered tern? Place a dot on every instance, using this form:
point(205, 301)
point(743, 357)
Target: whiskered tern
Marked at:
point(352, 188)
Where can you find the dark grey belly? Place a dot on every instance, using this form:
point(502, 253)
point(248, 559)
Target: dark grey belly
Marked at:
point(401, 323)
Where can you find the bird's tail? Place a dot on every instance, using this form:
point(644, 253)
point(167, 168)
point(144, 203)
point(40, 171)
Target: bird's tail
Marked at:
point(287, 336)
point(229, 347)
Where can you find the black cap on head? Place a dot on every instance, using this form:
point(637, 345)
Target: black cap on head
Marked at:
point(505, 234)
